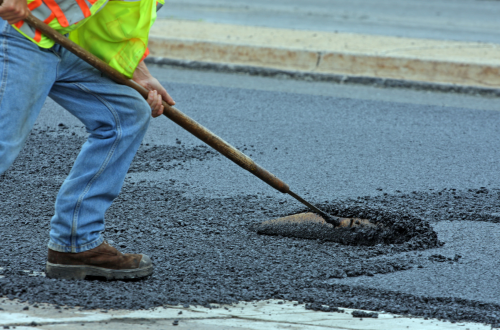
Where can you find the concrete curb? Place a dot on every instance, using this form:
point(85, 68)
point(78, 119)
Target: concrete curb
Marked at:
point(346, 58)
point(311, 76)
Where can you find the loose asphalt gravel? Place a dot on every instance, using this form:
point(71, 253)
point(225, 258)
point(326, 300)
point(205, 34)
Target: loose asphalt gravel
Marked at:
point(430, 171)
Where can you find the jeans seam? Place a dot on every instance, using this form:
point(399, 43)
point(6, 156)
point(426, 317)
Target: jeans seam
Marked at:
point(101, 169)
point(59, 61)
point(5, 65)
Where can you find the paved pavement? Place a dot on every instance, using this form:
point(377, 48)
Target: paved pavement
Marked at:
point(205, 97)
point(346, 141)
point(459, 20)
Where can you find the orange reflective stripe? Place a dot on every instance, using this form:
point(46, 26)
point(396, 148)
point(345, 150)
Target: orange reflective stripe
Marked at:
point(35, 4)
point(19, 24)
point(49, 19)
point(56, 10)
point(83, 6)
point(145, 54)
point(92, 1)
point(38, 36)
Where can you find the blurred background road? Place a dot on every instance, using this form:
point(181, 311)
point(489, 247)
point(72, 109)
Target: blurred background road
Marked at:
point(463, 20)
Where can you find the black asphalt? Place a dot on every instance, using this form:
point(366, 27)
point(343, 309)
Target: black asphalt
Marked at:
point(433, 167)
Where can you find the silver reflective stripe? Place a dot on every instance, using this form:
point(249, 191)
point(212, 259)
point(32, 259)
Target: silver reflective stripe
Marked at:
point(71, 10)
point(27, 30)
point(42, 12)
point(88, 4)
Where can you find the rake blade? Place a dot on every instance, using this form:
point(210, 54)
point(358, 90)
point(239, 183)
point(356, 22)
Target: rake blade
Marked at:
point(351, 231)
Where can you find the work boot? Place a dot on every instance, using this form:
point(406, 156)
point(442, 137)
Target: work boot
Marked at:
point(102, 261)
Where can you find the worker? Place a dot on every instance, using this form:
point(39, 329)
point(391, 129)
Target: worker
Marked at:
point(116, 117)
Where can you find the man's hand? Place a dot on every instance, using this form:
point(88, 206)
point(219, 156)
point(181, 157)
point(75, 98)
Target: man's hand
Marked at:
point(14, 11)
point(157, 94)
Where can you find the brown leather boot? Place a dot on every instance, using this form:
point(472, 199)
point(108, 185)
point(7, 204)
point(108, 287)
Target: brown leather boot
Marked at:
point(102, 261)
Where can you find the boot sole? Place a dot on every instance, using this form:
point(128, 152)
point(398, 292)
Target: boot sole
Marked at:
point(70, 272)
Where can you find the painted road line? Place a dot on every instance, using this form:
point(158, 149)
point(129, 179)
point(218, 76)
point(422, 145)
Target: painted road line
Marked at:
point(356, 55)
point(269, 314)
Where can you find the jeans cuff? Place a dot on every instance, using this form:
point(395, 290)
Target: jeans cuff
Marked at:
point(76, 249)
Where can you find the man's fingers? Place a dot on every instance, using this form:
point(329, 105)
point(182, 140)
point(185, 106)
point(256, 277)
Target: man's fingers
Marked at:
point(14, 12)
point(151, 99)
point(167, 98)
point(13, 18)
point(159, 107)
point(155, 102)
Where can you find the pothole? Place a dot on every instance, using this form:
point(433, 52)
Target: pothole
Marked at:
point(396, 228)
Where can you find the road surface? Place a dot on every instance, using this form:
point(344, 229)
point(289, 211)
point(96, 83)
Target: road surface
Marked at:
point(431, 156)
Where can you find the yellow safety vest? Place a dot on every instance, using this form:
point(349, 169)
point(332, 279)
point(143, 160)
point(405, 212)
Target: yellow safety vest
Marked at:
point(115, 31)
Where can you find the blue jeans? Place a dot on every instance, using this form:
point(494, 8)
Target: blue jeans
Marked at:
point(115, 116)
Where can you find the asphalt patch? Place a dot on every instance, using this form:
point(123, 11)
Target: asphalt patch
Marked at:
point(205, 250)
point(399, 228)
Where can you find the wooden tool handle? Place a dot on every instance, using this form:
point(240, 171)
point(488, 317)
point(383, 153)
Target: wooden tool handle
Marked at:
point(171, 112)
